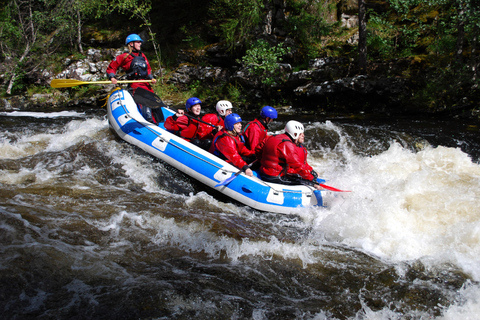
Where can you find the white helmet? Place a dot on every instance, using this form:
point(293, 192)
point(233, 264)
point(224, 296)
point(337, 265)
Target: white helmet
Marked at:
point(294, 128)
point(222, 106)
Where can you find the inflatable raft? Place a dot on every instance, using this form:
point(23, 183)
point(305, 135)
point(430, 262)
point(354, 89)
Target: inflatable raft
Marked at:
point(127, 122)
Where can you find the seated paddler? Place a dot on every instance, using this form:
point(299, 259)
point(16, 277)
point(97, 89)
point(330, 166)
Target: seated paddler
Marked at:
point(283, 158)
point(189, 125)
point(227, 145)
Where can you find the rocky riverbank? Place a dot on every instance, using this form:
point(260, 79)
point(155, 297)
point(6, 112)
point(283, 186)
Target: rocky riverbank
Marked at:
point(326, 85)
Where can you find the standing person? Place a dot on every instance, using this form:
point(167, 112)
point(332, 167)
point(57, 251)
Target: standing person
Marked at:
point(223, 108)
point(187, 125)
point(283, 158)
point(228, 146)
point(136, 66)
point(256, 130)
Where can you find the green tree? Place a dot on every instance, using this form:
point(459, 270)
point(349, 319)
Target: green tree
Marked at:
point(307, 23)
point(19, 31)
point(65, 18)
point(262, 61)
point(238, 20)
point(40, 26)
point(139, 9)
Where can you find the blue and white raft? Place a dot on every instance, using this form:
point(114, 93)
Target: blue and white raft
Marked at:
point(128, 123)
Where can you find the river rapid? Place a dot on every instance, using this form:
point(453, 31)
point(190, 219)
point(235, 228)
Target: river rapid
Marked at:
point(94, 228)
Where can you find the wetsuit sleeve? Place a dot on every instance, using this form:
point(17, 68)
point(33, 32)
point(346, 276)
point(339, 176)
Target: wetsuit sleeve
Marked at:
point(260, 147)
point(227, 146)
point(175, 124)
point(114, 65)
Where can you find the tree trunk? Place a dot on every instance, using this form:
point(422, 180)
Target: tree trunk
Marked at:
point(29, 34)
point(79, 31)
point(362, 37)
point(14, 73)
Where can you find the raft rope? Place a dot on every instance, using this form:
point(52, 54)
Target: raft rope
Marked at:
point(186, 151)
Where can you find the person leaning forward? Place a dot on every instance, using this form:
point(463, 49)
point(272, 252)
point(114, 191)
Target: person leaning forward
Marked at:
point(228, 146)
point(188, 126)
point(136, 66)
point(223, 108)
point(256, 130)
point(283, 158)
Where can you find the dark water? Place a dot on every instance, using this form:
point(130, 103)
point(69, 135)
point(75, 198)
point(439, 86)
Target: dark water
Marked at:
point(94, 228)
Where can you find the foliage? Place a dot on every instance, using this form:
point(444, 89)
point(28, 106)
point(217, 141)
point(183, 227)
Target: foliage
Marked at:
point(307, 23)
point(238, 19)
point(139, 9)
point(262, 60)
point(381, 36)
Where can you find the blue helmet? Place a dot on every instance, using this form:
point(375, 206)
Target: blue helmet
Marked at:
point(133, 37)
point(268, 112)
point(191, 102)
point(231, 120)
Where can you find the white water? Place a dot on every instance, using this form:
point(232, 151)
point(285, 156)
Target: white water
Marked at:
point(404, 206)
point(68, 114)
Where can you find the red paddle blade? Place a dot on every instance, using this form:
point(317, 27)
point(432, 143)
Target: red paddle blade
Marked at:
point(332, 188)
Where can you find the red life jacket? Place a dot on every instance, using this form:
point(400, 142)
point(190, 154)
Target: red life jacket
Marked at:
point(182, 126)
point(254, 133)
point(124, 61)
point(230, 148)
point(281, 156)
point(208, 132)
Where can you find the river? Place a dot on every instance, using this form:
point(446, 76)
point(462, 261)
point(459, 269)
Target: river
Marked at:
point(94, 228)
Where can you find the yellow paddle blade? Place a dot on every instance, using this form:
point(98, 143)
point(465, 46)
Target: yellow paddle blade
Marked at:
point(68, 83)
point(65, 83)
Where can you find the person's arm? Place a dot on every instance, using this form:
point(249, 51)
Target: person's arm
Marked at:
point(149, 71)
point(177, 122)
point(228, 148)
point(113, 67)
point(149, 68)
point(205, 130)
point(297, 162)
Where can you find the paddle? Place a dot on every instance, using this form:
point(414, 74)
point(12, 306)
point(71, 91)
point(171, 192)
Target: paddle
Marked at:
point(151, 100)
point(148, 99)
point(312, 183)
point(68, 83)
point(227, 181)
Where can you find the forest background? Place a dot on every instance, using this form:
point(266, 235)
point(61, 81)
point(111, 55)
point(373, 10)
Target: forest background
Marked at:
point(426, 49)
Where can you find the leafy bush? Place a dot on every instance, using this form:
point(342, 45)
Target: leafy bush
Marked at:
point(381, 36)
point(262, 61)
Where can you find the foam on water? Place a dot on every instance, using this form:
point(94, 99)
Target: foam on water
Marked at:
point(407, 206)
point(404, 206)
point(15, 145)
point(60, 114)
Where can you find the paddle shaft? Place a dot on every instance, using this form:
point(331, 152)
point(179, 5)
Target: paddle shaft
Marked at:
point(227, 181)
point(192, 117)
point(150, 97)
point(68, 83)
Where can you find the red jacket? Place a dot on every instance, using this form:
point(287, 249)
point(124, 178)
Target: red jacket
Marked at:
point(184, 127)
point(123, 61)
point(279, 155)
point(254, 133)
point(214, 119)
point(230, 148)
